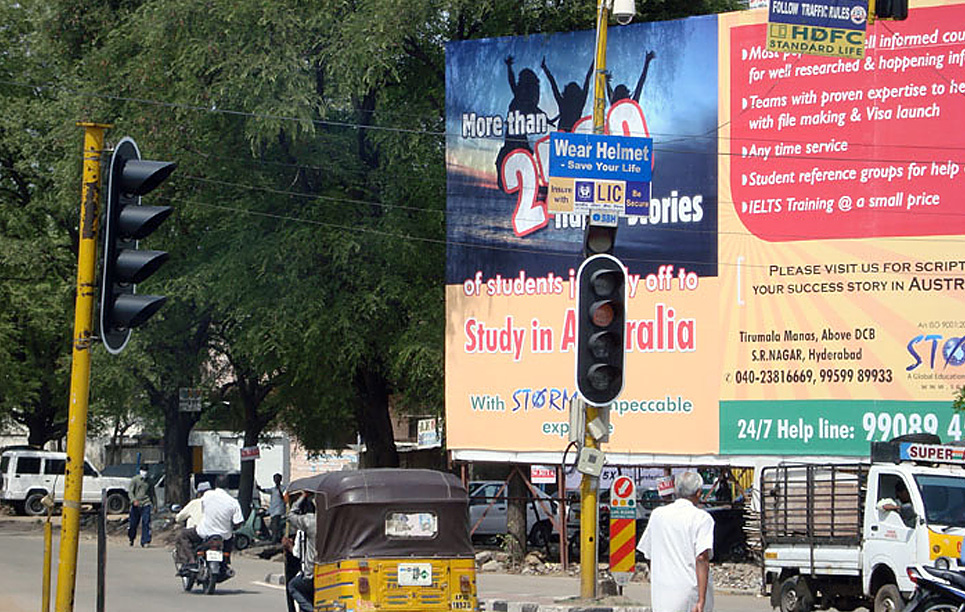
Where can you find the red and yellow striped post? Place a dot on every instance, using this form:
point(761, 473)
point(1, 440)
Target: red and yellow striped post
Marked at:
point(623, 529)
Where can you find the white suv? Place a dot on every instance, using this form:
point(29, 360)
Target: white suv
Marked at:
point(27, 475)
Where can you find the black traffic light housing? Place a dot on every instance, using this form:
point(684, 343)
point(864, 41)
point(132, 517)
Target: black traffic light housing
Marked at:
point(125, 222)
point(601, 306)
point(891, 9)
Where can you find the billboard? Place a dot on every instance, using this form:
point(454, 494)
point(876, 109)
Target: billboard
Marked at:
point(796, 286)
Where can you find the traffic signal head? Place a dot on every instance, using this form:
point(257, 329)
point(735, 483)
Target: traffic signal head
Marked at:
point(598, 239)
point(600, 329)
point(891, 9)
point(125, 222)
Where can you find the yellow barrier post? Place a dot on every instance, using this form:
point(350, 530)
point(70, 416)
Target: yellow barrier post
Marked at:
point(48, 553)
point(80, 364)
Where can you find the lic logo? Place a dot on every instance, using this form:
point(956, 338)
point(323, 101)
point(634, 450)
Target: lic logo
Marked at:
point(584, 191)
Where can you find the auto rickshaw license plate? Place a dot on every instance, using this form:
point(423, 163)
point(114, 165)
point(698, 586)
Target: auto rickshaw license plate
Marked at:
point(415, 574)
point(214, 555)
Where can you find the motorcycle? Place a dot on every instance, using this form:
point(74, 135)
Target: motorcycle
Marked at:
point(938, 588)
point(212, 564)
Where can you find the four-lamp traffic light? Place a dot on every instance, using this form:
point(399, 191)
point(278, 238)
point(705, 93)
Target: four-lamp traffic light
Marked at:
point(891, 9)
point(600, 329)
point(125, 222)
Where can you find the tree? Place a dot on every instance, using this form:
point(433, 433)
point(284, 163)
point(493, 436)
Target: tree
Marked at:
point(310, 197)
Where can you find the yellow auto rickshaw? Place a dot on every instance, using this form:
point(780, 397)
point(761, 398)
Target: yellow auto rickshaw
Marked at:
point(391, 539)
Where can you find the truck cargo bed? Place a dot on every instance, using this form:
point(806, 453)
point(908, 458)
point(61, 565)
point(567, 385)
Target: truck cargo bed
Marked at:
point(812, 504)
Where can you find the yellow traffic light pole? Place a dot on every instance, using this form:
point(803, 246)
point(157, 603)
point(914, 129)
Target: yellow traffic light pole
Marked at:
point(80, 364)
point(589, 484)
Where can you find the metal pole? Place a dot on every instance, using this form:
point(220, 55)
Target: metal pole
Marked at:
point(101, 552)
point(48, 553)
point(599, 83)
point(588, 487)
point(564, 515)
point(588, 521)
point(80, 364)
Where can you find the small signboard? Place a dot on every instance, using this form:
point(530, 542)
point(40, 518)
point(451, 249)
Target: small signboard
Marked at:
point(936, 453)
point(665, 486)
point(623, 498)
point(189, 400)
point(832, 28)
point(623, 529)
point(428, 434)
point(542, 474)
point(608, 174)
point(250, 453)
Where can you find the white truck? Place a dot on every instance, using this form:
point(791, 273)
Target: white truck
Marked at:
point(27, 475)
point(843, 535)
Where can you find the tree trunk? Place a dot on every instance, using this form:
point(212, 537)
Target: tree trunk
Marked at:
point(516, 517)
point(372, 419)
point(246, 487)
point(177, 453)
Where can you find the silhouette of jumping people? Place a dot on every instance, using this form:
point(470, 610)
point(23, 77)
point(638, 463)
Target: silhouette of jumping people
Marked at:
point(572, 100)
point(621, 92)
point(525, 102)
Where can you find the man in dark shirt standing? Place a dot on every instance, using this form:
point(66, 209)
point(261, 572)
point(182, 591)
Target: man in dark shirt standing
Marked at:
point(141, 493)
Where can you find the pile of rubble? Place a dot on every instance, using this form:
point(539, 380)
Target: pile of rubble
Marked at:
point(738, 577)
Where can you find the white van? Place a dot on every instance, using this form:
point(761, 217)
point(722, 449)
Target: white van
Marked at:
point(27, 475)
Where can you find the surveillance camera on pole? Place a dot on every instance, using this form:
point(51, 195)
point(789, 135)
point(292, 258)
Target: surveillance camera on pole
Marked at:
point(127, 221)
point(624, 10)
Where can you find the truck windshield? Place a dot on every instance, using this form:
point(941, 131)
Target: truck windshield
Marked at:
point(944, 498)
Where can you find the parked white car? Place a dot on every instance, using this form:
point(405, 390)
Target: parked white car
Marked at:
point(27, 475)
point(492, 522)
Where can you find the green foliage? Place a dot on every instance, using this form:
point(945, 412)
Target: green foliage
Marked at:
point(306, 279)
point(958, 404)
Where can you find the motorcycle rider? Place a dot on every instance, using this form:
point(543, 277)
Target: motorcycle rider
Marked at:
point(220, 515)
point(192, 512)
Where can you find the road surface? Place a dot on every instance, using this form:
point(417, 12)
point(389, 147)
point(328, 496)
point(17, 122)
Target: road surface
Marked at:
point(142, 580)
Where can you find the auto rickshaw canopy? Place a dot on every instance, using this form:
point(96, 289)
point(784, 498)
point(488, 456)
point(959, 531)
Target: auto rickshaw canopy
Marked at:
point(382, 513)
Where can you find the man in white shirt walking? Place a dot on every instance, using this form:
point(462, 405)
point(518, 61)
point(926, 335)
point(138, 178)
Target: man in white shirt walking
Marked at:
point(679, 541)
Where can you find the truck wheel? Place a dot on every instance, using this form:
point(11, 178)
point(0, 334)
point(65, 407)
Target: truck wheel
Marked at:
point(33, 506)
point(888, 599)
point(795, 596)
point(116, 503)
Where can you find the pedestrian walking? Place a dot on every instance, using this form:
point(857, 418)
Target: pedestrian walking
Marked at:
point(141, 493)
point(679, 542)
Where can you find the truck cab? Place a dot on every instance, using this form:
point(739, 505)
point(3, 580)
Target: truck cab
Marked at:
point(843, 535)
point(929, 522)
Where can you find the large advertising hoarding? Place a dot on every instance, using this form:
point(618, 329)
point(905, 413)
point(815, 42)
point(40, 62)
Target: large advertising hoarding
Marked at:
point(798, 284)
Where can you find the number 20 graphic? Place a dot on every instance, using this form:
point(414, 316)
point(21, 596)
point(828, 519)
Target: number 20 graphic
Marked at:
point(524, 174)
